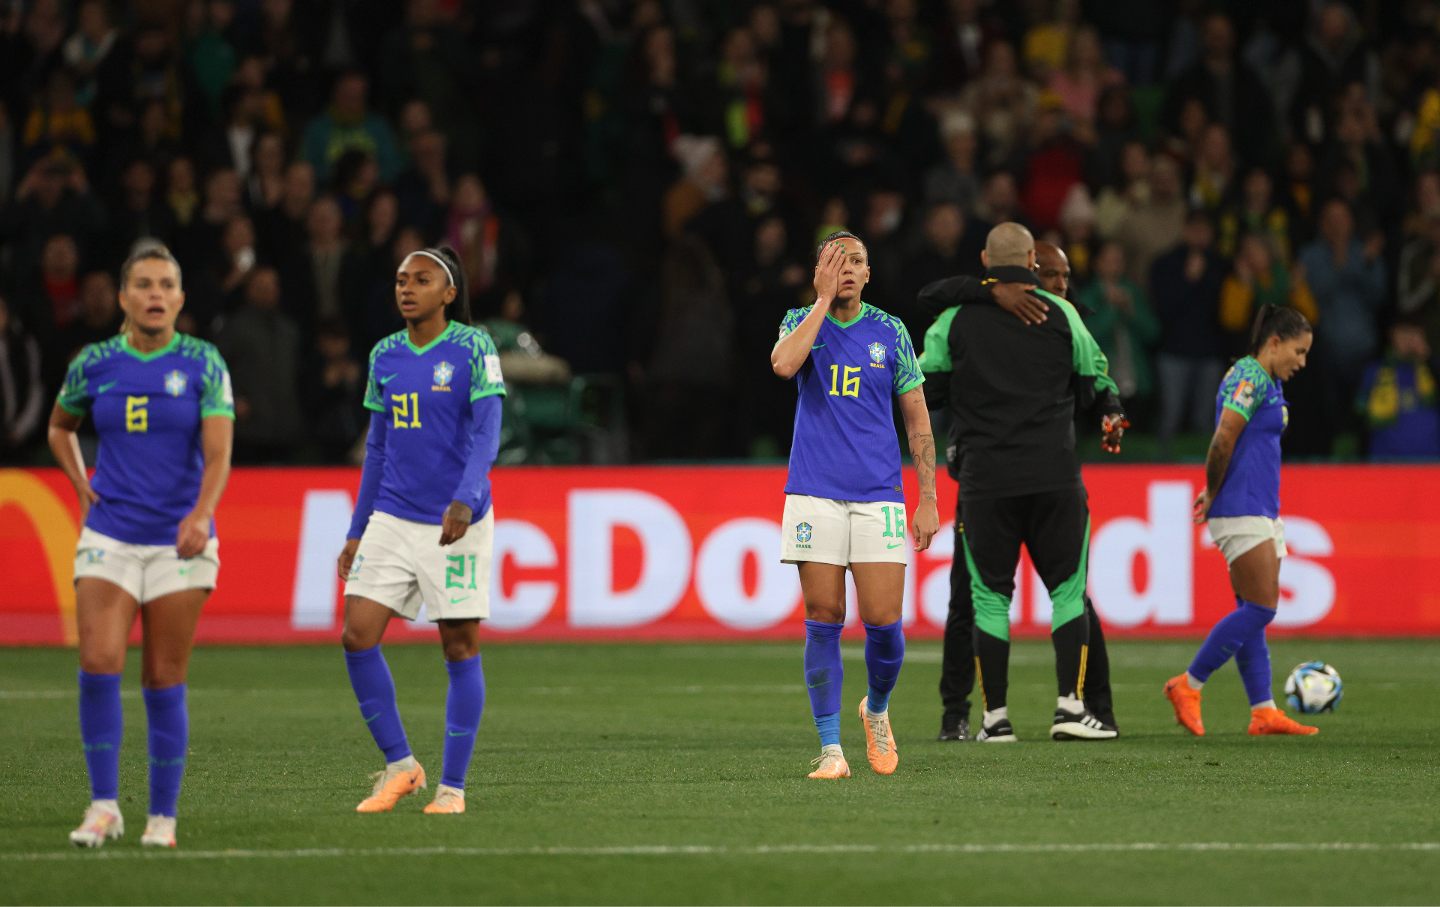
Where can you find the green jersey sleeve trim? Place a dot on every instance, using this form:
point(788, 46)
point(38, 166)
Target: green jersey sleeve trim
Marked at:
point(935, 357)
point(207, 413)
point(911, 386)
point(1086, 356)
point(72, 410)
point(486, 378)
point(373, 407)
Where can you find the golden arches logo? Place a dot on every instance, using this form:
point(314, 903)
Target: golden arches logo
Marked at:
point(56, 528)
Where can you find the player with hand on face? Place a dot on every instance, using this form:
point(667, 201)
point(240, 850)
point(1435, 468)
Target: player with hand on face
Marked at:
point(844, 502)
point(164, 412)
point(423, 528)
point(1241, 502)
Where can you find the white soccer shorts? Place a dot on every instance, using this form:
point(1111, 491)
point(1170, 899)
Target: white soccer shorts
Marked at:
point(842, 532)
point(146, 572)
point(1235, 535)
point(401, 565)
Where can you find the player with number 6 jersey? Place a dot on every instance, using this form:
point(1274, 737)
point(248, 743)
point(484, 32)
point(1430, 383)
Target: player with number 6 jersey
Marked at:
point(423, 529)
point(162, 407)
point(844, 501)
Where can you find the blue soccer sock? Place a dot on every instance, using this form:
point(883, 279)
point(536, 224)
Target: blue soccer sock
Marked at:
point(1253, 660)
point(102, 724)
point(463, 705)
point(375, 691)
point(884, 654)
point(824, 676)
point(169, 736)
point(1234, 630)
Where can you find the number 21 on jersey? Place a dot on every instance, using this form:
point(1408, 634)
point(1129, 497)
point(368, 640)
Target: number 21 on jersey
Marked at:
point(406, 410)
point(846, 385)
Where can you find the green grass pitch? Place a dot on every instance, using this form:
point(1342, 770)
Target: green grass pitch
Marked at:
point(675, 774)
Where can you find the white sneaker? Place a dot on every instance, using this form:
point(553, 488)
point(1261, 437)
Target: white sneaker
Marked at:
point(159, 832)
point(101, 823)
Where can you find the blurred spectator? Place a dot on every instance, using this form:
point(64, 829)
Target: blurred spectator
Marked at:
point(1048, 42)
point(49, 297)
point(237, 259)
point(1123, 323)
point(87, 48)
point(58, 123)
point(691, 370)
point(140, 214)
point(334, 393)
point(1000, 199)
point(1155, 222)
point(1213, 177)
point(1259, 278)
point(348, 123)
point(490, 245)
point(1256, 211)
point(521, 358)
point(1082, 78)
point(1397, 398)
point(1335, 55)
point(22, 390)
point(1419, 279)
point(1129, 189)
point(1347, 277)
point(283, 226)
point(424, 187)
point(1054, 165)
point(328, 275)
point(7, 154)
point(261, 345)
point(1229, 91)
point(1078, 232)
point(99, 316)
point(265, 186)
point(956, 179)
point(949, 245)
point(53, 199)
point(776, 283)
point(704, 181)
point(1003, 104)
point(1185, 284)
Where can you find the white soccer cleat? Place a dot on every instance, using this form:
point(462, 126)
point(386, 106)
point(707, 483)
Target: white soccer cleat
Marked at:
point(101, 824)
point(159, 832)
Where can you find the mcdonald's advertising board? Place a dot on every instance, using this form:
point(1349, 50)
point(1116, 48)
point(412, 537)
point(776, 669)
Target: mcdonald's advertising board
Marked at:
point(693, 553)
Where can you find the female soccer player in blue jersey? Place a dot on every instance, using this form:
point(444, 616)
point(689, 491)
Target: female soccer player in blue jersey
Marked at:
point(1241, 501)
point(423, 527)
point(844, 503)
point(163, 410)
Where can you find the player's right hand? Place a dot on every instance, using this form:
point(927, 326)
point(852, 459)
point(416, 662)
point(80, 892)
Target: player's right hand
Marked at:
point(87, 497)
point(347, 557)
point(827, 271)
point(1015, 298)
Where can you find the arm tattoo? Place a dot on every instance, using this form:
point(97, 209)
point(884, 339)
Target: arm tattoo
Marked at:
point(922, 451)
point(1217, 461)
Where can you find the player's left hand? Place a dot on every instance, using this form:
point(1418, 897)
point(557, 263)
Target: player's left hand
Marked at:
point(925, 524)
point(1202, 507)
point(194, 533)
point(1112, 429)
point(455, 524)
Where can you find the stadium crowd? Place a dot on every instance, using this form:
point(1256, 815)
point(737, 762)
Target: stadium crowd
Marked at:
point(640, 186)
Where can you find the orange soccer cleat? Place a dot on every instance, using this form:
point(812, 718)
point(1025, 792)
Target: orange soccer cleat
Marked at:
point(390, 786)
point(1274, 721)
point(1187, 704)
point(449, 801)
point(830, 765)
point(880, 746)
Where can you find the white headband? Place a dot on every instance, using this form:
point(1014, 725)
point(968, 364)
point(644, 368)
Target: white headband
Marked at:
point(439, 261)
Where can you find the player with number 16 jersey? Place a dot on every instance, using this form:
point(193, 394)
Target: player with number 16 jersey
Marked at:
point(844, 501)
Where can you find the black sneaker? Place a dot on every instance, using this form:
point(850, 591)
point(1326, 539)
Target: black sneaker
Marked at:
point(954, 729)
point(1080, 726)
point(999, 732)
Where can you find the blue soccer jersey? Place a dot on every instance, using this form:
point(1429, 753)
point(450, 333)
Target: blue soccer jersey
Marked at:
point(1252, 482)
point(426, 393)
point(845, 446)
point(147, 409)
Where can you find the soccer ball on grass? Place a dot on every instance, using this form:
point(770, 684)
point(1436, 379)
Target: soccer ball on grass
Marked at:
point(1314, 687)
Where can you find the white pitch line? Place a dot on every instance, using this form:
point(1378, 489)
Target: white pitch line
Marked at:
point(720, 850)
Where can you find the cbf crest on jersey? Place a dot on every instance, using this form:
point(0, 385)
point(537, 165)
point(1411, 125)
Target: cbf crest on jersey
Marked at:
point(443, 373)
point(877, 355)
point(803, 533)
point(175, 383)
